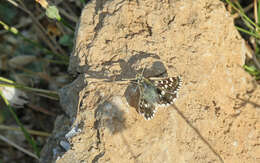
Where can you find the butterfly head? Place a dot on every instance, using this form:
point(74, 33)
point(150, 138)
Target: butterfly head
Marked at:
point(139, 78)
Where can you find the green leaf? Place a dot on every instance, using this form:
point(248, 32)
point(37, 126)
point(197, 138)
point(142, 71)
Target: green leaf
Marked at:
point(66, 40)
point(53, 13)
point(254, 34)
point(251, 70)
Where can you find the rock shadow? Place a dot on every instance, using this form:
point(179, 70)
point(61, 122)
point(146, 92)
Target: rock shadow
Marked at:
point(243, 102)
point(198, 133)
point(127, 67)
point(110, 115)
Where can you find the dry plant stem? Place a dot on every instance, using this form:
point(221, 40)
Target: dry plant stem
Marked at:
point(257, 29)
point(71, 16)
point(122, 81)
point(41, 75)
point(43, 32)
point(255, 11)
point(23, 24)
point(40, 29)
point(103, 81)
point(16, 5)
point(246, 9)
point(32, 132)
point(18, 147)
point(41, 109)
point(46, 96)
point(60, 27)
point(250, 53)
point(40, 92)
point(67, 7)
point(68, 16)
point(32, 73)
point(198, 133)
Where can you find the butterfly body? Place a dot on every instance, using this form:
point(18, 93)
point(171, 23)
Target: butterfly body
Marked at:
point(149, 91)
point(156, 93)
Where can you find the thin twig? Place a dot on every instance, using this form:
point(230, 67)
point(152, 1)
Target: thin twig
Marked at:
point(18, 147)
point(41, 109)
point(17, 5)
point(246, 9)
point(54, 45)
point(70, 17)
point(250, 53)
point(68, 7)
point(255, 11)
point(40, 29)
point(33, 132)
point(199, 134)
point(23, 24)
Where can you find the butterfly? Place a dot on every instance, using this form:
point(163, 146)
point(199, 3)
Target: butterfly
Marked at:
point(156, 93)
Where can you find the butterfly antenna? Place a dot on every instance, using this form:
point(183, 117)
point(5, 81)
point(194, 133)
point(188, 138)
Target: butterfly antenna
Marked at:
point(143, 70)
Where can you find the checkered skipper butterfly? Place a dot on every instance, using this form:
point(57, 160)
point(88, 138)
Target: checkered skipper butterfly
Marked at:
point(156, 93)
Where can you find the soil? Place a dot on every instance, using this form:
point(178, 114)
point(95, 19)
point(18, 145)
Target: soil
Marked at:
point(216, 116)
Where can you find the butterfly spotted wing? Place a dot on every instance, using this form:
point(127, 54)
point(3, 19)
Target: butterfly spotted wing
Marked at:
point(167, 90)
point(154, 93)
point(146, 109)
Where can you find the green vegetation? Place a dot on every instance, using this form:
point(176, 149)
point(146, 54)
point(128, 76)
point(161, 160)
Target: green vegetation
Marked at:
point(36, 40)
point(250, 27)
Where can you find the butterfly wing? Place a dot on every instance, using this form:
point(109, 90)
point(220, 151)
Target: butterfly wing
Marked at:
point(166, 99)
point(154, 93)
point(146, 109)
point(167, 90)
point(170, 85)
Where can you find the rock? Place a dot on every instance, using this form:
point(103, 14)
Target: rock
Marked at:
point(215, 118)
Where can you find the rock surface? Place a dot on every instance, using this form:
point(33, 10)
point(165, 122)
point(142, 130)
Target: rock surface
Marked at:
point(215, 118)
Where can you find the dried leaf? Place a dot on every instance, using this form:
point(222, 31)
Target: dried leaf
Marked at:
point(21, 60)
